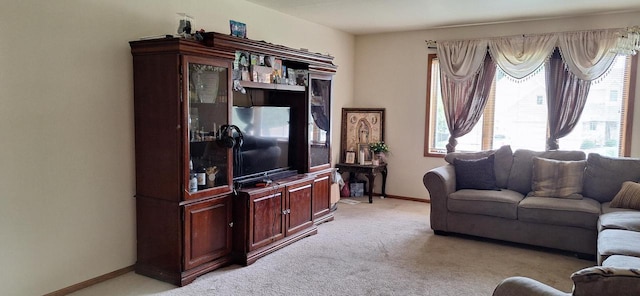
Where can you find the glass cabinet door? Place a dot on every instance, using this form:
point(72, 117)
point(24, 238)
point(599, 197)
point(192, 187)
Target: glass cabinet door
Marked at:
point(320, 121)
point(207, 110)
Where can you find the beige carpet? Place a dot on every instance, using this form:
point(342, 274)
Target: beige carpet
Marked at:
point(386, 248)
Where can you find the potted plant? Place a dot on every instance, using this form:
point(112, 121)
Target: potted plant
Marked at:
point(379, 150)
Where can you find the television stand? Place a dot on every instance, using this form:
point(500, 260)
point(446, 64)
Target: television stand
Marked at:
point(269, 218)
point(281, 175)
point(273, 177)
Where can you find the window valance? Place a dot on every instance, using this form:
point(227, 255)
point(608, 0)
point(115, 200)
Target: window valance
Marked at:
point(461, 60)
point(586, 54)
point(521, 55)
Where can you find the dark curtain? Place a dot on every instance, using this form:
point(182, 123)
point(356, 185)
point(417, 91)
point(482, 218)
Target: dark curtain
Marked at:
point(320, 109)
point(566, 97)
point(464, 101)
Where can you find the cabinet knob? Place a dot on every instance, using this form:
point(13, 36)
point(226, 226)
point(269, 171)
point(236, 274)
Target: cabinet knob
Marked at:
point(231, 224)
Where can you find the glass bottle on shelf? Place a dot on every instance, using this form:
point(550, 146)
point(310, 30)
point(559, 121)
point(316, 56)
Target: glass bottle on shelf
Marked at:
point(202, 177)
point(207, 109)
point(193, 178)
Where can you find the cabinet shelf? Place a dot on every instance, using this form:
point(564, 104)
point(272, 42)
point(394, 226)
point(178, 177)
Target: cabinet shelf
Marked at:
point(275, 86)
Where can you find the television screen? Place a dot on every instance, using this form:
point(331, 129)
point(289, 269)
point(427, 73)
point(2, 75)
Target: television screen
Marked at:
point(265, 145)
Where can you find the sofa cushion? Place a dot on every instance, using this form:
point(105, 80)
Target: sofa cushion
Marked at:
point(560, 211)
point(604, 176)
point(502, 161)
point(618, 242)
point(555, 178)
point(622, 261)
point(475, 173)
point(627, 220)
point(628, 197)
point(522, 168)
point(503, 203)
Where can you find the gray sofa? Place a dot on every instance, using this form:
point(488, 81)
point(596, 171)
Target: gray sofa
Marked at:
point(516, 210)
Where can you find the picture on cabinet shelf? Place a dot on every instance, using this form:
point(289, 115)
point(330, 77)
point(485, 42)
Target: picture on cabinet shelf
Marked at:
point(238, 29)
point(291, 75)
point(302, 77)
point(350, 157)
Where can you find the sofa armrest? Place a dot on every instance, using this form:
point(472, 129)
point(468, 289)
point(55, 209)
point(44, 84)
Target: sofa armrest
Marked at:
point(599, 280)
point(440, 182)
point(522, 286)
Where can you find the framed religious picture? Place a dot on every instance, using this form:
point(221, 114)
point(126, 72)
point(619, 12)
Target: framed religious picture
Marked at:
point(361, 127)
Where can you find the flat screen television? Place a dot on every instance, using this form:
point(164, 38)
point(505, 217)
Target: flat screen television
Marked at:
point(265, 147)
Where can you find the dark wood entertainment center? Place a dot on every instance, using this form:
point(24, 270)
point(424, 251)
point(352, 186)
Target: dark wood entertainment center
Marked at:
point(193, 216)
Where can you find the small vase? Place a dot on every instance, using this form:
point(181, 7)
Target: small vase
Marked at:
point(381, 157)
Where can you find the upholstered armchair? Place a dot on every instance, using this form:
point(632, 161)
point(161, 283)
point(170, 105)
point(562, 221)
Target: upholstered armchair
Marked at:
point(591, 281)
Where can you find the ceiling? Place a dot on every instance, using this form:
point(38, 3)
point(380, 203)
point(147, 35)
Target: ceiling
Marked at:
point(378, 16)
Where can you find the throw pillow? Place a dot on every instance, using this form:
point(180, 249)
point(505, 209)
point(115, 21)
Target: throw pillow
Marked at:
point(501, 163)
point(628, 197)
point(521, 171)
point(475, 174)
point(452, 156)
point(556, 178)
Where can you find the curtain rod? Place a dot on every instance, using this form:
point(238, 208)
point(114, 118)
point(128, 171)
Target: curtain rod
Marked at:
point(432, 44)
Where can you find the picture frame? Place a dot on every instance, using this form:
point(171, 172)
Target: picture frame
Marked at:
point(238, 29)
point(360, 128)
point(365, 151)
point(350, 157)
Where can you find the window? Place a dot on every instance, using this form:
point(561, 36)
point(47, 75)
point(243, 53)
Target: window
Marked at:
point(613, 95)
point(516, 114)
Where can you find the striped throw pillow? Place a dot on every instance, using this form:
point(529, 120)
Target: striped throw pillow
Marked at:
point(628, 197)
point(555, 178)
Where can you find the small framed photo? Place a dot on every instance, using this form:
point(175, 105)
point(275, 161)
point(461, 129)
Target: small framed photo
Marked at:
point(350, 157)
point(238, 29)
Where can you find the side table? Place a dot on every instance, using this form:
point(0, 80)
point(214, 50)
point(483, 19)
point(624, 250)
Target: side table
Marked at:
point(370, 171)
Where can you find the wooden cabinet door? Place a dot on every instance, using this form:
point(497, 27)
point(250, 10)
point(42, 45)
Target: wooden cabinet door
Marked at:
point(207, 166)
point(321, 196)
point(207, 234)
point(266, 210)
point(299, 210)
point(319, 134)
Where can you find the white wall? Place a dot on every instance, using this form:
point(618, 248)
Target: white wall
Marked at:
point(66, 124)
point(391, 71)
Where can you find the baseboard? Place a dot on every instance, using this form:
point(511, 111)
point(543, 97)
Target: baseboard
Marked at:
point(91, 282)
point(407, 198)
